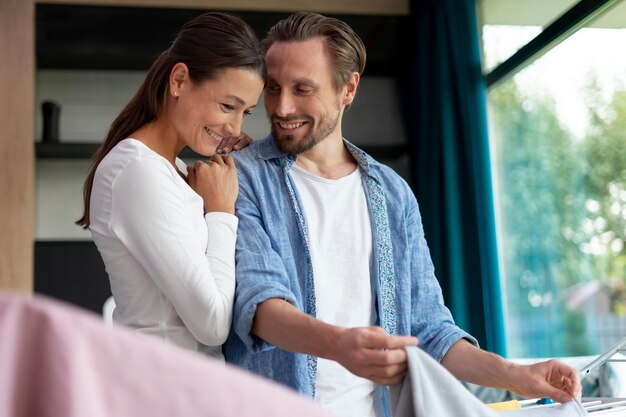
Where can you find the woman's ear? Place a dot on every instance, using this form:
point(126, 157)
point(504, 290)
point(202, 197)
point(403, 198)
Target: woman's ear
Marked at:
point(178, 77)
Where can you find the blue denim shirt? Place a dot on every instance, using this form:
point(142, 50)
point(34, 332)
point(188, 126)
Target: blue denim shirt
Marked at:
point(273, 261)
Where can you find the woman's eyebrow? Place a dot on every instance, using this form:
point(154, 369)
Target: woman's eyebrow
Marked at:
point(236, 98)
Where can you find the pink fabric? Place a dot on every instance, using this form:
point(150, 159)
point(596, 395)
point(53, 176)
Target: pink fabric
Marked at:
point(56, 360)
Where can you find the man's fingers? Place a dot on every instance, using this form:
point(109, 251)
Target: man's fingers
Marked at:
point(396, 342)
point(380, 340)
point(389, 380)
point(384, 357)
point(575, 386)
point(568, 381)
point(557, 394)
point(387, 371)
point(571, 386)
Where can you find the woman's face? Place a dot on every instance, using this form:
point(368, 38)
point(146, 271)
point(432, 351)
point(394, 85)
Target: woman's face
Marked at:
point(204, 114)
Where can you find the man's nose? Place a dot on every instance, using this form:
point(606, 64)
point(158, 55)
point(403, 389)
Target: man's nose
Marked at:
point(284, 105)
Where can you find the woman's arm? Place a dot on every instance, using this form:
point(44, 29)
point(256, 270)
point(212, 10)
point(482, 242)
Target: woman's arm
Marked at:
point(149, 216)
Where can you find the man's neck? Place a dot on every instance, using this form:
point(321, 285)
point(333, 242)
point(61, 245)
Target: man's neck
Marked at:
point(328, 159)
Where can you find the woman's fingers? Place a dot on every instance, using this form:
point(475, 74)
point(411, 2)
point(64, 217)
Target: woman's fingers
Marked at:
point(191, 177)
point(233, 143)
point(217, 159)
point(242, 141)
point(229, 161)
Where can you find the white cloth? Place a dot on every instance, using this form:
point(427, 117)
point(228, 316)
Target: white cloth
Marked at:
point(172, 269)
point(429, 390)
point(340, 238)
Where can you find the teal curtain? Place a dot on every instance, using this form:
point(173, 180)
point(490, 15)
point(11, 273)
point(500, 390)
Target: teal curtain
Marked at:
point(447, 127)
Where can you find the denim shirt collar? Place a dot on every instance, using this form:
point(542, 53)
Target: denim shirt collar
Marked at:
point(268, 151)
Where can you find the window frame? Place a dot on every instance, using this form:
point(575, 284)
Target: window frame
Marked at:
point(578, 16)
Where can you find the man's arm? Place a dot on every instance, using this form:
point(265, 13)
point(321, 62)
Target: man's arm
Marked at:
point(551, 378)
point(365, 351)
point(434, 326)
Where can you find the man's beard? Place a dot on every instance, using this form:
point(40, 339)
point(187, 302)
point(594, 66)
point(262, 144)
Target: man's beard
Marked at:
point(289, 145)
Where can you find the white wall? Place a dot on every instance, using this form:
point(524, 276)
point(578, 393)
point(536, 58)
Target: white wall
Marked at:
point(90, 100)
point(58, 201)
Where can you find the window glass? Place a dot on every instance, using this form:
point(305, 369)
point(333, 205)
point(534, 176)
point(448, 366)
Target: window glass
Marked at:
point(558, 139)
point(523, 20)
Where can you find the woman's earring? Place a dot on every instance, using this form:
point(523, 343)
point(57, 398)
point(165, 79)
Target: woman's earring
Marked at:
point(175, 93)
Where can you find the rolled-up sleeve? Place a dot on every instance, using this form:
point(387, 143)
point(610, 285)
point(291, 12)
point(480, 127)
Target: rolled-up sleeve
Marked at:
point(260, 272)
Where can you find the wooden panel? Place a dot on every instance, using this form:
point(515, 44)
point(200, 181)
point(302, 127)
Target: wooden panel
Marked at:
point(374, 7)
point(17, 84)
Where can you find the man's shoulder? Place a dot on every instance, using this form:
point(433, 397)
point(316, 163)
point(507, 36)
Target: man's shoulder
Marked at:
point(261, 149)
point(393, 184)
point(258, 162)
point(385, 175)
point(252, 156)
point(251, 151)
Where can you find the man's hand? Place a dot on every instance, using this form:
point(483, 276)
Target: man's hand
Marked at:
point(371, 353)
point(551, 378)
point(368, 352)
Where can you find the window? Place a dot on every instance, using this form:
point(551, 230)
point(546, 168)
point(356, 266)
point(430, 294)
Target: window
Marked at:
point(558, 139)
point(528, 18)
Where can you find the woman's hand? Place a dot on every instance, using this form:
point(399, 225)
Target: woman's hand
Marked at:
point(233, 144)
point(216, 182)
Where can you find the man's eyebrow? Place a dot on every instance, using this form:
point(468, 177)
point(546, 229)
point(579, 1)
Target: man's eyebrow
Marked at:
point(306, 81)
point(303, 80)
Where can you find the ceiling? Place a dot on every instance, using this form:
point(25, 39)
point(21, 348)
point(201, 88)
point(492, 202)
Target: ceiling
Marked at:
point(541, 13)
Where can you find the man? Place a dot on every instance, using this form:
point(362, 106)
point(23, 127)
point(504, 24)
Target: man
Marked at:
point(334, 274)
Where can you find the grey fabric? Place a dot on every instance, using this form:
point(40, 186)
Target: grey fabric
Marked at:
point(429, 390)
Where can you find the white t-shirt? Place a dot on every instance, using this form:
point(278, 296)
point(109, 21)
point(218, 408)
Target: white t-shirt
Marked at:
point(340, 239)
point(172, 269)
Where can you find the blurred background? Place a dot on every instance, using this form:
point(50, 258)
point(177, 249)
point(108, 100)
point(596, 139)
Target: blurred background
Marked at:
point(507, 118)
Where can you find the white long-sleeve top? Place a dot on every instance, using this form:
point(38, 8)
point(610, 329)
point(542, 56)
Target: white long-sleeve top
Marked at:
point(172, 269)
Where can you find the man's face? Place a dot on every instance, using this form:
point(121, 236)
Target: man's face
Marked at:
point(301, 101)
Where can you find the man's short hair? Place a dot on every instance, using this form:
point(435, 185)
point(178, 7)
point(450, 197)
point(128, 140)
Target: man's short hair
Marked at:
point(345, 47)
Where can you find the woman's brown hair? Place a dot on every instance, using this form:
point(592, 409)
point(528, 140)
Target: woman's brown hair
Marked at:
point(206, 44)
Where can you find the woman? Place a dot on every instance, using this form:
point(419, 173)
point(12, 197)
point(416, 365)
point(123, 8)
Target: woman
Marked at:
point(166, 232)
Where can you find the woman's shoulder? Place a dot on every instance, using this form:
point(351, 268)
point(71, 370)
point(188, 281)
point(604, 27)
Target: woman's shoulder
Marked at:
point(132, 163)
point(132, 153)
point(130, 148)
